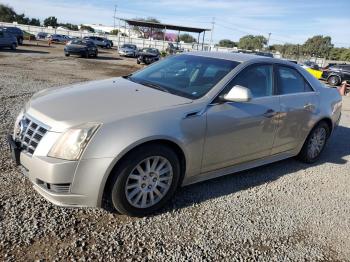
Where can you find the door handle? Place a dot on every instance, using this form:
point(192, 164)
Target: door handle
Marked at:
point(309, 106)
point(270, 113)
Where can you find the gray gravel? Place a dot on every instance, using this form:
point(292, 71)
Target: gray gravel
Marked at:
point(284, 211)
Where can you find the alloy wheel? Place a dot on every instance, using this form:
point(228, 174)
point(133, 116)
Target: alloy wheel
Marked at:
point(148, 182)
point(317, 142)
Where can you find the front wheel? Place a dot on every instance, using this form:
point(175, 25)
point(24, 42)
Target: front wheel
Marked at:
point(13, 46)
point(315, 143)
point(20, 41)
point(145, 180)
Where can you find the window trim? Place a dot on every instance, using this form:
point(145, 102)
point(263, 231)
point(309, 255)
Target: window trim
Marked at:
point(216, 97)
point(277, 65)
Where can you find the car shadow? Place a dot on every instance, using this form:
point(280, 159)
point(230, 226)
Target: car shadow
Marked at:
point(105, 58)
point(24, 51)
point(337, 148)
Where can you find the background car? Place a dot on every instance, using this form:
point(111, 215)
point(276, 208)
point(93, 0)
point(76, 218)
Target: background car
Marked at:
point(174, 49)
point(313, 69)
point(82, 47)
point(100, 41)
point(148, 56)
point(59, 38)
point(42, 35)
point(336, 74)
point(15, 31)
point(7, 40)
point(128, 50)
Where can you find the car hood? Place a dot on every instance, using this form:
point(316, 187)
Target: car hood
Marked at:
point(97, 101)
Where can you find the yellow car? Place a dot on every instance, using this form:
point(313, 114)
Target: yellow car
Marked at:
point(314, 72)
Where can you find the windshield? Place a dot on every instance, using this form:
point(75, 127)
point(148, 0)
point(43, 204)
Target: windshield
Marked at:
point(128, 46)
point(185, 75)
point(79, 42)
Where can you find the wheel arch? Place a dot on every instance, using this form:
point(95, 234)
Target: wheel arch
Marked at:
point(105, 187)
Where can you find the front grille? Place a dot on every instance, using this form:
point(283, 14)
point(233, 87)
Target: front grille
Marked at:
point(30, 135)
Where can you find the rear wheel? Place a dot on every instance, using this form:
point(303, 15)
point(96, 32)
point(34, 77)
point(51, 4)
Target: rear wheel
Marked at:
point(13, 46)
point(333, 80)
point(20, 41)
point(67, 54)
point(145, 180)
point(315, 143)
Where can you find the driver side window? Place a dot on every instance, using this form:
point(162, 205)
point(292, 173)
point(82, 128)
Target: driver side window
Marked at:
point(257, 78)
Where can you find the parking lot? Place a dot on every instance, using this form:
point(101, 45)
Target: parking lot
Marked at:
point(286, 211)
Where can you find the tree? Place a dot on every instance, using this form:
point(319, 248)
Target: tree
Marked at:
point(7, 14)
point(251, 42)
point(187, 38)
point(34, 21)
point(345, 56)
point(318, 46)
point(51, 21)
point(227, 43)
point(87, 28)
point(147, 32)
point(114, 32)
point(70, 26)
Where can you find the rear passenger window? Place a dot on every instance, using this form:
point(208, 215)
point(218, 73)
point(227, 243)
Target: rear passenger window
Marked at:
point(290, 81)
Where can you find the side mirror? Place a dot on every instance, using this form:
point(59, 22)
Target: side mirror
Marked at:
point(238, 94)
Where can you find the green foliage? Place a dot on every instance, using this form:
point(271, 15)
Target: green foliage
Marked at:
point(345, 56)
point(318, 46)
point(187, 38)
point(147, 32)
point(70, 26)
point(251, 42)
point(7, 14)
point(87, 28)
point(114, 32)
point(227, 43)
point(163, 53)
point(51, 21)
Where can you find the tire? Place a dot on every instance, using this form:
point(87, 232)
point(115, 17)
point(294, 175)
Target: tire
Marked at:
point(108, 46)
point(138, 62)
point(137, 200)
point(315, 143)
point(13, 46)
point(333, 80)
point(86, 55)
point(20, 41)
point(67, 54)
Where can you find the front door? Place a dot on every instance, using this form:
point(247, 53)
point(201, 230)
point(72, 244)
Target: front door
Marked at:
point(238, 132)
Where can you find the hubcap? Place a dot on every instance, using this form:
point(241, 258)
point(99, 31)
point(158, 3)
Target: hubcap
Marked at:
point(317, 142)
point(148, 182)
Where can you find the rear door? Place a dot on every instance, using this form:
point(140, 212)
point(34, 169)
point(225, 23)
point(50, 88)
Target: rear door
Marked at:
point(299, 103)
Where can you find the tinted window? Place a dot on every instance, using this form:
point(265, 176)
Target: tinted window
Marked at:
point(258, 79)
point(290, 81)
point(185, 75)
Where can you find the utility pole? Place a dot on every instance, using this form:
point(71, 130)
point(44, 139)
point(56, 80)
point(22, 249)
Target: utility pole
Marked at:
point(268, 40)
point(211, 32)
point(114, 17)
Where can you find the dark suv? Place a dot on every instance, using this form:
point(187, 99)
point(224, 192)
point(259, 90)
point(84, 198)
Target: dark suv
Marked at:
point(17, 32)
point(337, 74)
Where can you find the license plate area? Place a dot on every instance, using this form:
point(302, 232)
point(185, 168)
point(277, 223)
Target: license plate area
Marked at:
point(14, 149)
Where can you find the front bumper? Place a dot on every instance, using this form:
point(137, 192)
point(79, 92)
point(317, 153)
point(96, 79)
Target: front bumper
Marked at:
point(62, 182)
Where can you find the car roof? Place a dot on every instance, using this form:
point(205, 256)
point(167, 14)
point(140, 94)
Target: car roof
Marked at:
point(238, 57)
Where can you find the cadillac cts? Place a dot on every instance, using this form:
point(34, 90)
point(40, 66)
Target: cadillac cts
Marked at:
point(127, 143)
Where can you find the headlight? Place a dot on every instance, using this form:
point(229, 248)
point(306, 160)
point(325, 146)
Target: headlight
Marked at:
point(73, 142)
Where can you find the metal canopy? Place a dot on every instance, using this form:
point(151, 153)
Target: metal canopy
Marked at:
point(165, 26)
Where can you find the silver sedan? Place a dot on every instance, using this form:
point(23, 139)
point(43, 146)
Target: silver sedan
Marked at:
point(127, 143)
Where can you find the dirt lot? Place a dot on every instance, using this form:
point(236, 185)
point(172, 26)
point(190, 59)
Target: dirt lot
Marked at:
point(284, 211)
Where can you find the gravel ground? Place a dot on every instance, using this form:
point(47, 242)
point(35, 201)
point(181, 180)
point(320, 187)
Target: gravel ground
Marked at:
point(284, 211)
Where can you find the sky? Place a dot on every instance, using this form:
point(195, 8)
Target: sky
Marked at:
point(288, 21)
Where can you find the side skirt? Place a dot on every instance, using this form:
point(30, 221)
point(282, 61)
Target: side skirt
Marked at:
point(237, 168)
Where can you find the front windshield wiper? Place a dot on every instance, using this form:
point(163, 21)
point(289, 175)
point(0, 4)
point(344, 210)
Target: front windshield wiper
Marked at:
point(154, 85)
